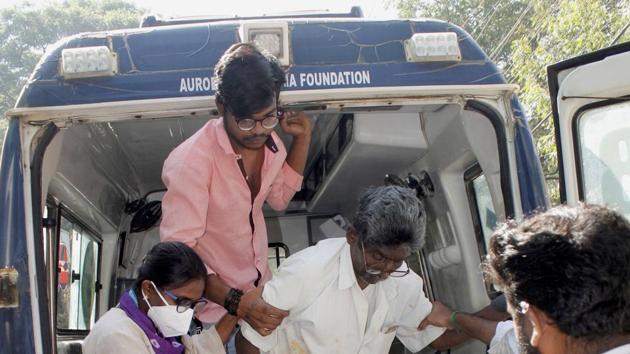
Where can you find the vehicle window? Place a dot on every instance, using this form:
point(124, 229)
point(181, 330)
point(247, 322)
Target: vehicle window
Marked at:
point(604, 151)
point(485, 208)
point(77, 272)
point(481, 206)
point(483, 213)
point(46, 232)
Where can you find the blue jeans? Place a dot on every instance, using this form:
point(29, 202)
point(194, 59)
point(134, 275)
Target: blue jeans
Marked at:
point(230, 346)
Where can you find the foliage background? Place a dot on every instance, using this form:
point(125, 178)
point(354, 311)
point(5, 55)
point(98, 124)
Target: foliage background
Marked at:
point(524, 37)
point(27, 30)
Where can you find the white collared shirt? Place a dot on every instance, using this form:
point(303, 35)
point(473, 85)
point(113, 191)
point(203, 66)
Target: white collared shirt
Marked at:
point(504, 339)
point(624, 349)
point(505, 342)
point(115, 332)
point(329, 313)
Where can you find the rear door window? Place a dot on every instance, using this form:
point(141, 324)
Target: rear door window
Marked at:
point(604, 155)
point(77, 276)
point(482, 208)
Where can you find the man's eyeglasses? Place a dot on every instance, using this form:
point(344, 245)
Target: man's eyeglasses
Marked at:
point(269, 122)
point(382, 263)
point(184, 303)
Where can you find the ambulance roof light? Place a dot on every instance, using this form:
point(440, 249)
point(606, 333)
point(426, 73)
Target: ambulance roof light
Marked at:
point(87, 62)
point(270, 36)
point(431, 47)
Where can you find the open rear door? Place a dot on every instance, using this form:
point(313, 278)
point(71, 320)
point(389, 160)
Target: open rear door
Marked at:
point(591, 107)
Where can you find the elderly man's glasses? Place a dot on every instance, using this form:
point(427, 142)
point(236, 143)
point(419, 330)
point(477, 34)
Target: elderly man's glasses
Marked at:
point(184, 303)
point(402, 268)
point(269, 122)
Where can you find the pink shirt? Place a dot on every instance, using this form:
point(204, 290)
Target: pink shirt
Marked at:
point(208, 202)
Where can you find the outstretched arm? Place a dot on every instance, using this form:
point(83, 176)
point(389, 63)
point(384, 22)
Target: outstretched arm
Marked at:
point(462, 326)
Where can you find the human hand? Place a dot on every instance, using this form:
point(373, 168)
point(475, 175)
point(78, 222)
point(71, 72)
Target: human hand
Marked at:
point(439, 316)
point(263, 317)
point(296, 124)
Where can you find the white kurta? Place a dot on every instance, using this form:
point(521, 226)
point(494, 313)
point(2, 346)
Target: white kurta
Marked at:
point(504, 339)
point(329, 313)
point(115, 332)
point(624, 349)
point(505, 342)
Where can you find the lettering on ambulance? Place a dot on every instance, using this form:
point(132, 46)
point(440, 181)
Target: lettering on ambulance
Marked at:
point(195, 84)
point(294, 80)
point(328, 79)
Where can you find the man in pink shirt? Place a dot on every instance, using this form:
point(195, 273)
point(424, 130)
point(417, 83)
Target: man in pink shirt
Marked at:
point(219, 178)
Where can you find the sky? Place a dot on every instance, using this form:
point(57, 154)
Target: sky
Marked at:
point(230, 8)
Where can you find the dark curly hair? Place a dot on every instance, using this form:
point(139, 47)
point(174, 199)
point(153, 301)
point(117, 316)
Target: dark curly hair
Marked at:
point(247, 79)
point(570, 262)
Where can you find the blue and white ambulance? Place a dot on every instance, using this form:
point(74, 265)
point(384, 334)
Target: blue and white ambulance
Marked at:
point(415, 98)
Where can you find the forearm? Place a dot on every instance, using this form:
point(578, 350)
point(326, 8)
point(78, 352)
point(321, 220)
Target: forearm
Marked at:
point(216, 289)
point(489, 313)
point(476, 327)
point(243, 346)
point(449, 339)
point(297, 155)
point(452, 338)
point(225, 326)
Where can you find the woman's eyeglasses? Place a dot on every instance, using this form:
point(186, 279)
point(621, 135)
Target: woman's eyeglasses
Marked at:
point(184, 303)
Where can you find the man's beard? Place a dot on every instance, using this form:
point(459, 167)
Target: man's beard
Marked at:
point(371, 278)
point(524, 335)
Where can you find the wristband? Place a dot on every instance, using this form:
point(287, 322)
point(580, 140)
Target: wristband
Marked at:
point(455, 323)
point(232, 300)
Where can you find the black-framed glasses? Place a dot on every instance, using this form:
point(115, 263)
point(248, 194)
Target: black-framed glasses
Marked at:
point(269, 122)
point(184, 303)
point(398, 273)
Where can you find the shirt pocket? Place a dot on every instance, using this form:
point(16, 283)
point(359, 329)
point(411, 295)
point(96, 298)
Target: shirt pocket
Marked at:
point(389, 328)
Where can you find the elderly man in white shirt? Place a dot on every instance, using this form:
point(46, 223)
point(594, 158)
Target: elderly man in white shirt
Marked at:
point(354, 294)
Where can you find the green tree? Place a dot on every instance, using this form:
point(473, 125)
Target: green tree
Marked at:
point(524, 37)
point(489, 22)
point(564, 30)
point(27, 30)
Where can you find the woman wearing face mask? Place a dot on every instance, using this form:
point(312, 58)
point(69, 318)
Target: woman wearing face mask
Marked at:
point(156, 316)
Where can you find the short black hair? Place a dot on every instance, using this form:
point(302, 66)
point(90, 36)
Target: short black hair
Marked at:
point(170, 265)
point(571, 263)
point(247, 79)
point(390, 216)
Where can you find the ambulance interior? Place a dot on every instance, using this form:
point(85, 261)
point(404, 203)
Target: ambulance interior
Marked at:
point(99, 178)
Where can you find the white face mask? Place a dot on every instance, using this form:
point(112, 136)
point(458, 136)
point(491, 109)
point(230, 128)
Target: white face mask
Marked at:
point(166, 318)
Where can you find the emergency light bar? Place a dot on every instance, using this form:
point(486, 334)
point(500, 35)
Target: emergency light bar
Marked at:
point(425, 47)
point(87, 62)
point(270, 36)
point(270, 41)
